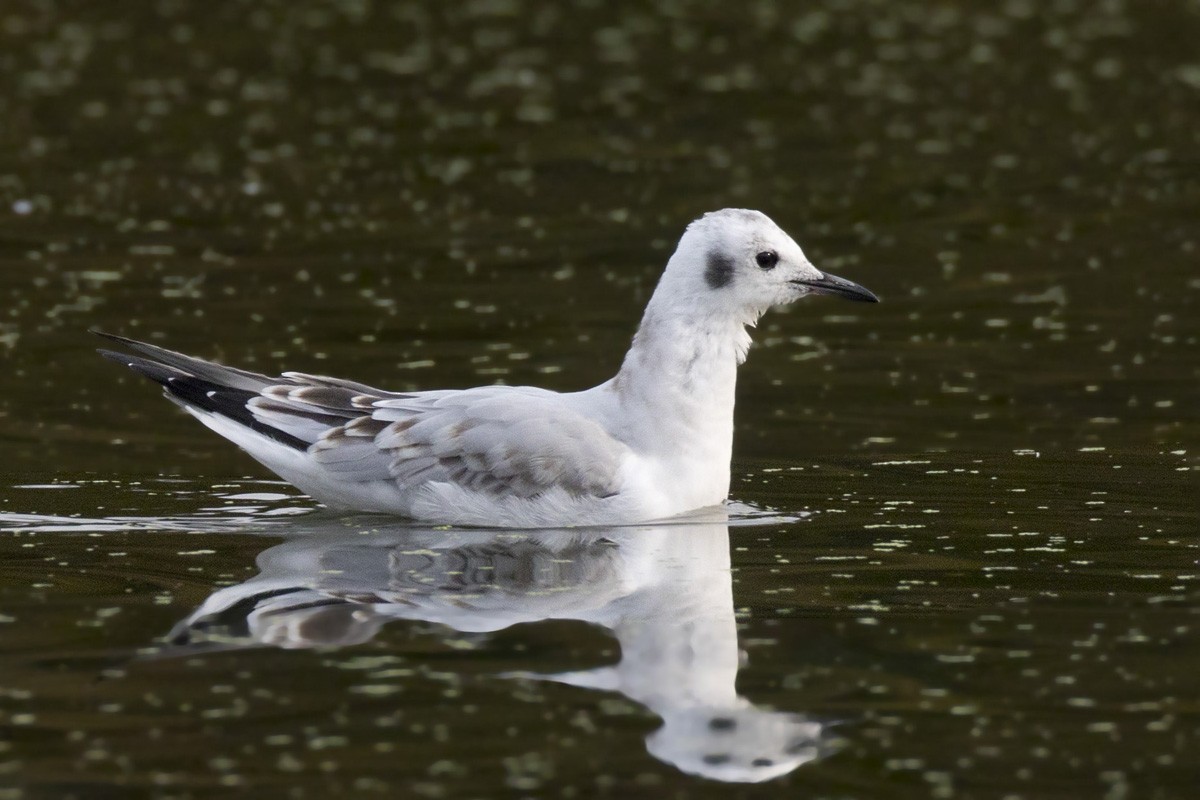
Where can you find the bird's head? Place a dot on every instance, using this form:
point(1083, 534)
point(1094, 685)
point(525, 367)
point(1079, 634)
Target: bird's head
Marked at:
point(739, 261)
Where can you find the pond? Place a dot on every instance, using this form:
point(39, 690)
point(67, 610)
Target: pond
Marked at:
point(962, 557)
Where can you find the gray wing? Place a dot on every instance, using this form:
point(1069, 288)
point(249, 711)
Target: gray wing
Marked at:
point(508, 441)
point(513, 441)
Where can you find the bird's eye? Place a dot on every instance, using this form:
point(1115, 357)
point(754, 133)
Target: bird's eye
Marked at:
point(767, 259)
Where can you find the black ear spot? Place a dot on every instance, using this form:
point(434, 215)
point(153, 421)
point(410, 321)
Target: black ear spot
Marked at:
point(767, 259)
point(718, 270)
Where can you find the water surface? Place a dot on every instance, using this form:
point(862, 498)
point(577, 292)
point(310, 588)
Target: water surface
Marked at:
point(982, 577)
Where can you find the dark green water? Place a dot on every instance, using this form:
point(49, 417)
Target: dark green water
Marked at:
point(995, 591)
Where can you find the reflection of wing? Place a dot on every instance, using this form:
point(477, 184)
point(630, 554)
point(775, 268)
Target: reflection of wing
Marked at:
point(320, 591)
point(500, 440)
point(476, 576)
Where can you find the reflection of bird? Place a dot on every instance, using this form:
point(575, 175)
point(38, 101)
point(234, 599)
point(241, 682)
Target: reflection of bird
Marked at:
point(652, 442)
point(665, 592)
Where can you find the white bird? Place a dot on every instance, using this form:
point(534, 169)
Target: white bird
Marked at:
point(652, 442)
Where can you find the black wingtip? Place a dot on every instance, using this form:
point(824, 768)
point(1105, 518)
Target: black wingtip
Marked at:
point(199, 393)
point(112, 355)
point(159, 373)
point(112, 337)
point(197, 384)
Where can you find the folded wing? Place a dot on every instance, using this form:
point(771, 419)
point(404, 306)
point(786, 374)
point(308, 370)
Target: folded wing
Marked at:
point(507, 441)
point(499, 440)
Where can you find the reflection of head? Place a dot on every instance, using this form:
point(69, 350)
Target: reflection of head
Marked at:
point(744, 745)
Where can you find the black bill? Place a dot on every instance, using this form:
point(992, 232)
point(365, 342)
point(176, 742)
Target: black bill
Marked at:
point(839, 287)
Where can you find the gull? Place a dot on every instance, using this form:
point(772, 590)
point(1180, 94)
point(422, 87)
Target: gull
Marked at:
point(652, 442)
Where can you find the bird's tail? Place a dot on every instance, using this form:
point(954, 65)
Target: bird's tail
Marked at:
point(202, 386)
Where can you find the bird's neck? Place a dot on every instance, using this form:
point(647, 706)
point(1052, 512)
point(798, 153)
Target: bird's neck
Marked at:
point(680, 375)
